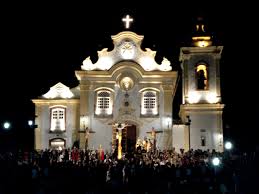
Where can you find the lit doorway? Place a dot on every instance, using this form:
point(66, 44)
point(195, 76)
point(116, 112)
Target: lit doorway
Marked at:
point(57, 143)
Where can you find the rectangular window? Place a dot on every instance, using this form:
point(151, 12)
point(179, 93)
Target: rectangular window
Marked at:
point(104, 104)
point(57, 119)
point(149, 103)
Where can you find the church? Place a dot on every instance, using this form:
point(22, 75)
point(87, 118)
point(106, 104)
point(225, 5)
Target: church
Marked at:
point(126, 97)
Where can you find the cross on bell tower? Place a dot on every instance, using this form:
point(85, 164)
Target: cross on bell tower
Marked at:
point(127, 21)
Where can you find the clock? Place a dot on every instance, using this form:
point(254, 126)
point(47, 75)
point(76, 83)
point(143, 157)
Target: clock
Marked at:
point(127, 50)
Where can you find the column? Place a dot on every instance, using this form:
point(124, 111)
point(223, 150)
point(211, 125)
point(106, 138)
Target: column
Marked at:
point(84, 112)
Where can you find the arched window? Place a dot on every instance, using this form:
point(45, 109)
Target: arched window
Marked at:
point(103, 103)
point(149, 103)
point(202, 77)
point(58, 119)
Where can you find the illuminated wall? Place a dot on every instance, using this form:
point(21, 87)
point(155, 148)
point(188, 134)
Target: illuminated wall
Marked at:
point(202, 103)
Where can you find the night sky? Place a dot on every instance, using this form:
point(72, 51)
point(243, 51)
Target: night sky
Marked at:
point(43, 44)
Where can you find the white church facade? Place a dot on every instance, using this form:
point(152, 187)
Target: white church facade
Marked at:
point(127, 87)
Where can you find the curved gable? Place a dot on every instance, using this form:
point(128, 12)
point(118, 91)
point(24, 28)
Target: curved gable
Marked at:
point(127, 46)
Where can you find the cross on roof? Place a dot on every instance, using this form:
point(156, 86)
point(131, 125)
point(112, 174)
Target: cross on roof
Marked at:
point(127, 21)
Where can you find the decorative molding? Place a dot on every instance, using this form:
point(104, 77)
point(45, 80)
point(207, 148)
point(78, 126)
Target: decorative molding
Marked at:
point(55, 101)
point(201, 108)
point(127, 46)
point(167, 87)
point(58, 91)
point(187, 52)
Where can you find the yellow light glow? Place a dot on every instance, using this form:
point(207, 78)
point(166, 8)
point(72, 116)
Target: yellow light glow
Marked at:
point(197, 27)
point(202, 27)
point(120, 127)
point(212, 97)
point(127, 83)
point(193, 97)
point(201, 38)
point(203, 68)
point(203, 43)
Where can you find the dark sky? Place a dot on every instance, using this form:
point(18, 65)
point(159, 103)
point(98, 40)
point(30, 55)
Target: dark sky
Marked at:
point(43, 44)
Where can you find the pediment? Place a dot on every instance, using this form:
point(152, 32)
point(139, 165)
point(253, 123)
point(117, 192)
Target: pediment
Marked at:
point(127, 47)
point(59, 91)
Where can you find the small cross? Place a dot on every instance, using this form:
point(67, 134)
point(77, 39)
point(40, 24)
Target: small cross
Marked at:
point(127, 21)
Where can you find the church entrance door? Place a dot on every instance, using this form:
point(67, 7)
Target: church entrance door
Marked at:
point(129, 138)
point(57, 143)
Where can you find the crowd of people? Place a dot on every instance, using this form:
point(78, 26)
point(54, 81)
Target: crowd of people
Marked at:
point(93, 171)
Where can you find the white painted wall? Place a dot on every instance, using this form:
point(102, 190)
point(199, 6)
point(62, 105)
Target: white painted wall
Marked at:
point(44, 125)
point(103, 129)
point(207, 121)
point(178, 137)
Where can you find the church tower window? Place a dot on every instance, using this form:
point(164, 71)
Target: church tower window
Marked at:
point(104, 104)
point(58, 119)
point(202, 77)
point(203, 141)
point(149, 103)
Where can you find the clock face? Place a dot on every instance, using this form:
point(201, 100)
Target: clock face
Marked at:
point(127, 50)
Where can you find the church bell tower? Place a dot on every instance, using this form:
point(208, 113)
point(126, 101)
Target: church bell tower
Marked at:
point(201, 108)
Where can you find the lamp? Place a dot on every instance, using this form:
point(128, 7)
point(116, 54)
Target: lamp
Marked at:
point(228, 145)
point(215, 161)
point(30, 123)
point(7, 125)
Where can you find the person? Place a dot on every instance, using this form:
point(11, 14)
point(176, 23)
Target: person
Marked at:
point(145, 144)
point(138, 144)
point(149, 145)
point(101, 153)
point(87, 133)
